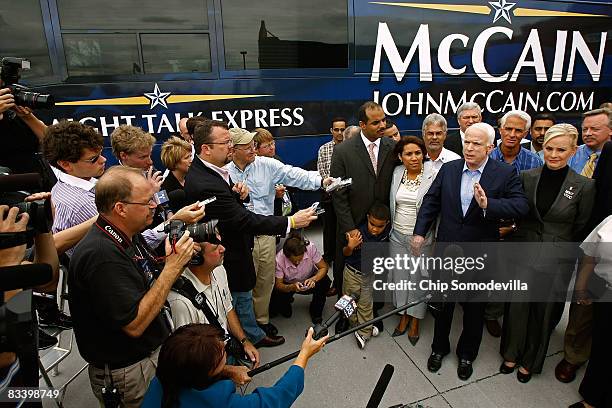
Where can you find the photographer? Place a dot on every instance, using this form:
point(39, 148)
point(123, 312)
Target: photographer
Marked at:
point(22, 134)
point(191, 360)
point(13, 230)
point(118, 289)
point(205, 276)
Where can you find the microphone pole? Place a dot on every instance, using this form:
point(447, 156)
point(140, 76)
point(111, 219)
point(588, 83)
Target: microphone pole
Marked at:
point(338, 336)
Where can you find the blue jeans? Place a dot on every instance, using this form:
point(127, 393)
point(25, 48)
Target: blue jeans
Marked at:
point(243, 305)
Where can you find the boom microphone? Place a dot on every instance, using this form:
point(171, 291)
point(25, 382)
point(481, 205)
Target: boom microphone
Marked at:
point(346, 305)
point(24, 276)
point(381, 387)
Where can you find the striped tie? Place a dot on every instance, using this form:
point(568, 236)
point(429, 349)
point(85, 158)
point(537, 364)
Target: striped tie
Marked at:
point(589, 167)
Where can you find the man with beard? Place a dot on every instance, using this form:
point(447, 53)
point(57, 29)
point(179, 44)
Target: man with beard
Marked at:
point(541, 123)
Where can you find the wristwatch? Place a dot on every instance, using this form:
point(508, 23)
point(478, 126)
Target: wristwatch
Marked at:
point(244, 340)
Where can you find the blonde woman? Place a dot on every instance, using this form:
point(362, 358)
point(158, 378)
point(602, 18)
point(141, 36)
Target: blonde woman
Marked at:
point(176, 157)
point(554, 216)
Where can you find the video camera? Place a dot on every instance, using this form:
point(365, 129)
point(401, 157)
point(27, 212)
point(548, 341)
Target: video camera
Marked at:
point(10, 72)
point(14, 188)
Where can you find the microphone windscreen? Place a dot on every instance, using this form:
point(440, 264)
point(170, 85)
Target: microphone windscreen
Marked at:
point(177, 198)
point(24, 276)
point(381, 386)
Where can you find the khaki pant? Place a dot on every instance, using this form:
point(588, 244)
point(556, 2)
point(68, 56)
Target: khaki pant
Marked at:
point(360, 285)
point(132, 381)
point(264, 258)
point(577, 341)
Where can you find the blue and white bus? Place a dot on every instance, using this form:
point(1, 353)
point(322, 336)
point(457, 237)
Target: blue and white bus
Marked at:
point(291, 65)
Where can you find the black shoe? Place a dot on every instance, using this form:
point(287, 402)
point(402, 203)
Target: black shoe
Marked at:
point(434, 362)
point(522, 377)
point(504, 369)
point(465, 370)
point(493, 328)
point(270, 341)
point(286, 311)
point(342, 325)
point(45, 340)
point(577, 405)
point(60, 320)
point(269, 329)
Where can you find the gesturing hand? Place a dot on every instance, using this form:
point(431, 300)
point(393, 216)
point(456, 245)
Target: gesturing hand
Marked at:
point(155, 179)
point(480, 196)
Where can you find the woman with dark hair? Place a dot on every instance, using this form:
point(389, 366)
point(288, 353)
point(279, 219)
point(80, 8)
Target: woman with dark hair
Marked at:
point(410, 182)
point(189, 365)
point(300, 268)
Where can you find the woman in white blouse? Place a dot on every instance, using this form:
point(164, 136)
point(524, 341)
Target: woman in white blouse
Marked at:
point(410, 182)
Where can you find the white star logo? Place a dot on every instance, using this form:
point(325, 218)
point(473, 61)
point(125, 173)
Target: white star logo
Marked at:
point(157, 97)
point(502, 9)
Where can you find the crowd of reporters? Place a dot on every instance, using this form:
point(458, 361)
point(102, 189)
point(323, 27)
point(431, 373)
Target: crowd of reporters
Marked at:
point(137, 272)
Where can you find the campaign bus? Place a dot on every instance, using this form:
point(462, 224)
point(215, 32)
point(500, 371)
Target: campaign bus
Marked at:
point(290, 66)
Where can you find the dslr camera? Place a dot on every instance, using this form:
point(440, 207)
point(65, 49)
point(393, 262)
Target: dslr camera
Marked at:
point(39, 211)
point(200, 232)
point(10, 72)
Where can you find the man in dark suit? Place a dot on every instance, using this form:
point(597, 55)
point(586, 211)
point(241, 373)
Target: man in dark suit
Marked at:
point(467, 114)
point(469, 196)
point(369, 161)
point(237, 225)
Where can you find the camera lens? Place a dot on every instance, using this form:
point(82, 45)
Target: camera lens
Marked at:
point(204, 232)
point(34, 100)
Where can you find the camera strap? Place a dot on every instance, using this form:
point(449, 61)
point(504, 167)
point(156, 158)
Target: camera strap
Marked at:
point(141, 256)
point(184, 287)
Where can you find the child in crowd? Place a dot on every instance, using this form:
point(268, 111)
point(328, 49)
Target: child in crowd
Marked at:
point(300, 268)
point(357, 281)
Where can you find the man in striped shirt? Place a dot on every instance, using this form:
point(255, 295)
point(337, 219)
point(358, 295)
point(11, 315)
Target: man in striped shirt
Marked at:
point(75, 151)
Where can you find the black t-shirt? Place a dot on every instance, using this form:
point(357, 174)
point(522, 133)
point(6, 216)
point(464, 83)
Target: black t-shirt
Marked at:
point(106, 286)
point(19, 144)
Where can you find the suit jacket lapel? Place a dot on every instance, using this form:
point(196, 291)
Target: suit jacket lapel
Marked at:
point(362, 152)
point(531, 190)
point(383, 153)
point(569, 185)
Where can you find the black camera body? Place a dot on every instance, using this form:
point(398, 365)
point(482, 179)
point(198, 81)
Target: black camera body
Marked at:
point(10, 72)
point(40, 211)
point(199, 232)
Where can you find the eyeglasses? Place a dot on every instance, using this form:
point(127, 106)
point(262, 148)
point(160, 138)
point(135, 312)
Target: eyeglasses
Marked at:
point(228, 142)
point(93, 159)
point(151, 203)
point(338, 129)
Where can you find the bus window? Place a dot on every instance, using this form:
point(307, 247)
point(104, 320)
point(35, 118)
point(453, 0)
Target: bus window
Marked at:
point(268, 34)
point(135, 38)
point(22, 35)
point(164, 53)
point(133, 15)
point(101, 54)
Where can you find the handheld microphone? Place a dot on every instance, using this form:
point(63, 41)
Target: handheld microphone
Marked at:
point(381, 386)
point(177, 198)
point(346, 305)
point(24, 276)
